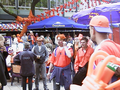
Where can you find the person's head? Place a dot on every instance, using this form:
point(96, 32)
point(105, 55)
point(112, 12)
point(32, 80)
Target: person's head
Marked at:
point(39, 41)
point(61, 38)
point(42, 36)
point(48, 35)
point(2, 39)
point(77, 40)
point(36, 34)
point(24, 34)
point(18, 35)
point(31, 33)
point(14, 36)
point(99, 25)
point(84, 42)
point(26, 45)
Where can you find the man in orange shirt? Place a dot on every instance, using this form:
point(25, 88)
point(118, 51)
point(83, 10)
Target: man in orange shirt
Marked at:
point(99, 30)
point(81, 61)
point(60, 60)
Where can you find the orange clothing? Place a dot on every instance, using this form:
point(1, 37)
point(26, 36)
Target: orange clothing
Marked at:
point(111, 48)
point(19, 39)
point(49, 59)
point(82, 58)
point(33, 39)
point(59, 57)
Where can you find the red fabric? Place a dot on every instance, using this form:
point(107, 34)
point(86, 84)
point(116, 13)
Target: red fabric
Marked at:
point(82, 58)
point(61, 60)
point(116, 35)
point(33, 39)
point(111, 48)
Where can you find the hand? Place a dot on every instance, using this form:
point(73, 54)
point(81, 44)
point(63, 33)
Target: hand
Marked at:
point(64, 44)
point(0, 85)
point(38, 56)
point(48, 75)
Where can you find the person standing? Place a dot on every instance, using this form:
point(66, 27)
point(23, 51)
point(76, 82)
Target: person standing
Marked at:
point(99, 31)
point(81, 61)
point(3, 68)
point(24, 38)
point(31, 39)
point(26, 58)
point(60, 60)
point(40, 63)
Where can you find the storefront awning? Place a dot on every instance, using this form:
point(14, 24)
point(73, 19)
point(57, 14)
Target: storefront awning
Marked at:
point(11, 27)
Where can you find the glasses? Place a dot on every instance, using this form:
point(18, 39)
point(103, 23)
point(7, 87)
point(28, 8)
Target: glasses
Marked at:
point(39, 41)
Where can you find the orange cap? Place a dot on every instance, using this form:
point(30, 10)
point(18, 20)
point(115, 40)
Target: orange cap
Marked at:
point(61, 36)
point(101, 24)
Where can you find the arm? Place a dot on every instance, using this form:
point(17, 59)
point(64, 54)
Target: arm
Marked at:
point(76, 64)
point(69, 52)
point(2, 74)
point(46, 57)
point(33, 49)
point(50, 68)
point(16, 59)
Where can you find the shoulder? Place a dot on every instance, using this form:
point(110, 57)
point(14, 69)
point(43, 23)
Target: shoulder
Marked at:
point(108, 44)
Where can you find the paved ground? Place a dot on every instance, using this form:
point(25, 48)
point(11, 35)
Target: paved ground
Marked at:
point(17, 86)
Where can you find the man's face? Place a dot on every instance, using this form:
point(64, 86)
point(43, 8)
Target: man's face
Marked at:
point(83, 43)
point(92, 36)
point(60, 42)
point(39, 42)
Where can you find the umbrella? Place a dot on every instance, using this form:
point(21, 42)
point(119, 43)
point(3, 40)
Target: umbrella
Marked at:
point(56, 23)
point(111, 11)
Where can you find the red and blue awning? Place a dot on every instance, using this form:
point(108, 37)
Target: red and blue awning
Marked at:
point(11, 27)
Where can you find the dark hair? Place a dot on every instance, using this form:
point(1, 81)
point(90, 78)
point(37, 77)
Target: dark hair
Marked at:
point(26, 45)
point(84, 38)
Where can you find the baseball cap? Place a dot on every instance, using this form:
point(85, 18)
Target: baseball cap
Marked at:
point(101, 24)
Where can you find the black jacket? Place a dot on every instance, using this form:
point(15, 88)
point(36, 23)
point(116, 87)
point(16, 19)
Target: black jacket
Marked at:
point(3, 69)
point(26, 58)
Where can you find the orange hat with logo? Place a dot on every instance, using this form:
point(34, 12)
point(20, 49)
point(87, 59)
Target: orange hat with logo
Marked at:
point(101, 24)
point(61, 36)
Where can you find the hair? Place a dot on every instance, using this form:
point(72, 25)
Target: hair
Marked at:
point(84, 38)
point(26, 45)
point(2, 38)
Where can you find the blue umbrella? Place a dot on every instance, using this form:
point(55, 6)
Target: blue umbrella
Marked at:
point(57, 22)
point(111, 11)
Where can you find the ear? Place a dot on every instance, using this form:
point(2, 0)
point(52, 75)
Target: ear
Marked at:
point(93, 31)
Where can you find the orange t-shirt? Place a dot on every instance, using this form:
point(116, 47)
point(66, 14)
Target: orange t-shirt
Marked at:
point(82, 58)
point(59, 57)
point(111, 48)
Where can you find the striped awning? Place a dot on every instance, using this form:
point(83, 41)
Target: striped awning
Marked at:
point(11, 27)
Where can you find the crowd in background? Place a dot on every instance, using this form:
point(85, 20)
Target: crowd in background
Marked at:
point(74, 43)
point(66, 56)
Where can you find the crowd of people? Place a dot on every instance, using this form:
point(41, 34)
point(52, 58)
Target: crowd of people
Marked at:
point(67, 57)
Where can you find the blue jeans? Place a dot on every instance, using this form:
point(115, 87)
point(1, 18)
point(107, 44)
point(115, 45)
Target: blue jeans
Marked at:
point(55, 86)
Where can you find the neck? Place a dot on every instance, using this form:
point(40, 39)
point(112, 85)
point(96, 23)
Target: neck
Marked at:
point(101, 37)
point(84, 48)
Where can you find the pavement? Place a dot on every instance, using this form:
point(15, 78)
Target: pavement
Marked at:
point(17, 86)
